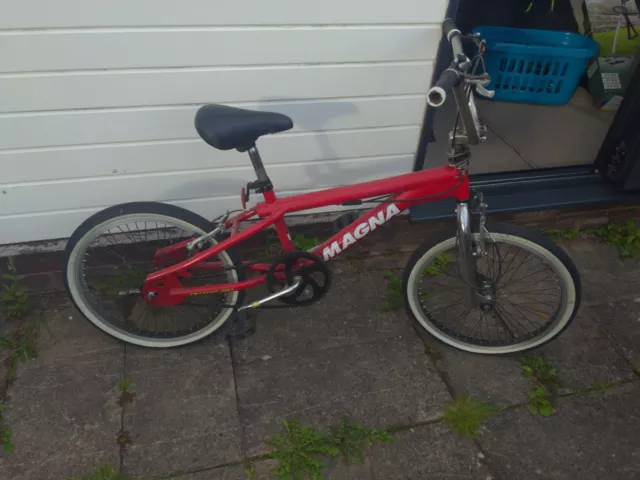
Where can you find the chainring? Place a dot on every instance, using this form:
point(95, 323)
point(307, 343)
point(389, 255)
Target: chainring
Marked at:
point(313, 273)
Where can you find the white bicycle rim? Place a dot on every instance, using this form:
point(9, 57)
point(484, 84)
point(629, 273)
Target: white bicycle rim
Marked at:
point(74, 274)
point(566, 310)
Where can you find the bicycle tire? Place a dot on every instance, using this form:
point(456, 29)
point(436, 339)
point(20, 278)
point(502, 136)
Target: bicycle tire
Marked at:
point(154, 210)
point(538, 243)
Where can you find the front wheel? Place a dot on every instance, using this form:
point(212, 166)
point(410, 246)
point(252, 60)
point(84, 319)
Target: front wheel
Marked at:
point(528, 291)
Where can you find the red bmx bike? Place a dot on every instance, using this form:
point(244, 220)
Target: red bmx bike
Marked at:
point(157, 275)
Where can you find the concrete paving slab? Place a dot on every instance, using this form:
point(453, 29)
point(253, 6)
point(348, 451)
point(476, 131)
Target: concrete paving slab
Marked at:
point(381, 383)
point(223, 473)
point(62, 408)
point(605, 276)
point(583, 356)
point(351, 313)
point(183, 416)
point(592, 436)
point(620, 322)
point(336, 472)
point(429, 452)
point(497, 380)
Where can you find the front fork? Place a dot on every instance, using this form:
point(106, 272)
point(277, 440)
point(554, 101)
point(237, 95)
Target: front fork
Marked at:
point(468, 252)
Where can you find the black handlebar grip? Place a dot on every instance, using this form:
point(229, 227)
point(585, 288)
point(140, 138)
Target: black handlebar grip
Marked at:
point(438, 93)
point(447, 26)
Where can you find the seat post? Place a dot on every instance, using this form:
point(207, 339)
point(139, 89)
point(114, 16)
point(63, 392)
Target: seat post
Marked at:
point(258, 166)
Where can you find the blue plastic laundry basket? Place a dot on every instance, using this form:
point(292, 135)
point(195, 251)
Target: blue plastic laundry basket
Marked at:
point(535, 66)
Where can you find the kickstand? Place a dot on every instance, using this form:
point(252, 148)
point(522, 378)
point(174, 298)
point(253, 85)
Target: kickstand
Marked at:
point(241, 325)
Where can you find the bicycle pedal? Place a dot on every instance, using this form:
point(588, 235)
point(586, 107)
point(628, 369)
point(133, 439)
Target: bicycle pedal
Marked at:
point(241, 325)
point(344, 220)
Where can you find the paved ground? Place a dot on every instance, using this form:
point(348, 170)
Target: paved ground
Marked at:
point(198, 411)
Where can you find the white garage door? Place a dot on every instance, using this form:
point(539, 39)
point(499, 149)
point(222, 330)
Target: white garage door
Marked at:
point(97, 99)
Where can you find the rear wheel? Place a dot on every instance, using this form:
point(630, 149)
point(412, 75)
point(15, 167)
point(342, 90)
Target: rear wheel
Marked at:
point(109, 256)
point(528, 290)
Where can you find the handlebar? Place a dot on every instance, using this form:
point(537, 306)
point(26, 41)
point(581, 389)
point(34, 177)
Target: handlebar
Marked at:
point(459, 79)
point(454, 74)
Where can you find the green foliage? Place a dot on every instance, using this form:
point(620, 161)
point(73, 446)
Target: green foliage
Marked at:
point(538, 367)
point(124, 385)
point(301, 451)
point(601, 385)
point(433, 353)
point(570, 233)
point(395, 297)
point(545, 378)
point(304, 243)
point(21, 345)
point(624, 236)
point(13, 297)
point(5, 434)
point(112, 284)
point(249, 469)
point(103, 472)
point(465, 415)
point(438, 266)
point(351, 439)
point(541, 401)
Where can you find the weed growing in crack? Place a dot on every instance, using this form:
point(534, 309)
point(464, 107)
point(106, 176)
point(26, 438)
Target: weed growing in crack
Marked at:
point(103, 472)
point(301, 451)
point(438, 266)
point(465, 415)
point(432, 352)
point(542, 399)
point(249, 469)
point(601, 385)
point(5, 434)
point(395, 296)
point(304, 243)
point(20, 346)
point(352, 438)
point(624, 236)
point(13, 296)
point(126, 395)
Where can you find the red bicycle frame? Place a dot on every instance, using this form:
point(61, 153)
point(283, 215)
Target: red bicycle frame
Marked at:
point(404, 190)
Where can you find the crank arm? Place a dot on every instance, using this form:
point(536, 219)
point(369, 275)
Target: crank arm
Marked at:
point(281, 293)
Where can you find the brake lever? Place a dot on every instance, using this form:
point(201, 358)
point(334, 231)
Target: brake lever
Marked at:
point(484, 92)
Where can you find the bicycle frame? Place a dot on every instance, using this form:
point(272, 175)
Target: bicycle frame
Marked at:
point(404, 190)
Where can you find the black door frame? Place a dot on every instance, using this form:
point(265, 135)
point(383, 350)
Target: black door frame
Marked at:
point(530, 190)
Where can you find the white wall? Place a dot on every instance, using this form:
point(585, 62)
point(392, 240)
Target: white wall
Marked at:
point(97, 99)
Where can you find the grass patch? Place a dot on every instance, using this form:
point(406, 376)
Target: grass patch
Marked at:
point(5, 434)
point(438, 266)
point(305, 243)
point(557, 233)
point(13, 296)
point(352, 438)
point(249, 469)
point(303, 451)
point(395, 296)
point(103, 472)
point(465, 415)
point(432, 352)
point(124, 385)
point(625, 46)
point(20, 345)
point(543, 397)
point(624, 236)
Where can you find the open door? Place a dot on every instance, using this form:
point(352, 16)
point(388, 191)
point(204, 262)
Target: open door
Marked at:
point(540, 156)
